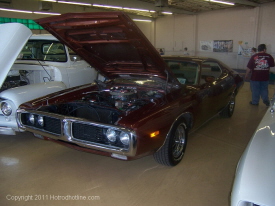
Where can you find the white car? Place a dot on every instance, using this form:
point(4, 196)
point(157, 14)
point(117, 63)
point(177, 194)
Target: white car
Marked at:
point(254, 183)
point(33, 66)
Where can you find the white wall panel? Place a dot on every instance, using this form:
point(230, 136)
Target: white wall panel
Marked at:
point(250, 25)
point(266, 31)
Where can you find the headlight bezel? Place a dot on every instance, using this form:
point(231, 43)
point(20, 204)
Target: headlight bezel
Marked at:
point(6, 108)
point(31, 118)
point(111, 135)
point(40, 120)
point(117, 136)
point(124, 138)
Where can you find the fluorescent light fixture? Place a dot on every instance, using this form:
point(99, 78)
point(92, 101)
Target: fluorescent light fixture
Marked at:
point(125, 8)
point(29, 12)
point(144, 20)
point(135, 9)
point(46, 13)
point(167, 12)
point(221, 2)
point(15, 10)
point(107, 6)
point(72, 2)
point(50, 0)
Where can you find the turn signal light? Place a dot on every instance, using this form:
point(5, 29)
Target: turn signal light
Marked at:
point(154, 134)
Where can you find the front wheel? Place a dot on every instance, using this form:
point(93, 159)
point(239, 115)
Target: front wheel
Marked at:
point(172, 152)
point(229, 109)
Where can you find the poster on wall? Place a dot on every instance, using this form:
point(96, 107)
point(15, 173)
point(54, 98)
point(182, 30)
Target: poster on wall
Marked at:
point(206, 46)
point(223, 46)
point(245, 51)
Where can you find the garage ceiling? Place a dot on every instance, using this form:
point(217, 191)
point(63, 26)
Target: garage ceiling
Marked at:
point(176, 6)
point(196, 6)
point(147, 8)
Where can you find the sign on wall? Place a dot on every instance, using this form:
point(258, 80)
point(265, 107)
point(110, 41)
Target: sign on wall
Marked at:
point(206, 46)
point(217, 45)
point(223, 46)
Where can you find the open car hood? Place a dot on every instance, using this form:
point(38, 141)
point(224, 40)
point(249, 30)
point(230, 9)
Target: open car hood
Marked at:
point(108, 41)
point(13, 36)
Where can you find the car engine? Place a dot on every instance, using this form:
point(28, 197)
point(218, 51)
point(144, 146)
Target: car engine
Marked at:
point(108, 105)
point(15, 79)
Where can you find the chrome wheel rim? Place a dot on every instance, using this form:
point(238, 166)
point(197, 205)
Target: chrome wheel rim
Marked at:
point(179, 141)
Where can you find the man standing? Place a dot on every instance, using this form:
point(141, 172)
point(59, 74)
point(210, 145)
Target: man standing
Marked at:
point(259, 66)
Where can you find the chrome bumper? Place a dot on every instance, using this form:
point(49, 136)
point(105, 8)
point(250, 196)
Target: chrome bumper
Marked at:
point(7, 131)
point(67, 134)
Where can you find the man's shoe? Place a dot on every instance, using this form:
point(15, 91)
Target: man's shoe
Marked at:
point(267, 104)
point(253, 104)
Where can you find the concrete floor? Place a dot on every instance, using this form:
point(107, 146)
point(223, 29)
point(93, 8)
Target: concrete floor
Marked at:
point(37, 172)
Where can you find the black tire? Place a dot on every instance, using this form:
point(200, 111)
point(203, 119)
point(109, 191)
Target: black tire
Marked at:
point(172, 152)
point(229, 109)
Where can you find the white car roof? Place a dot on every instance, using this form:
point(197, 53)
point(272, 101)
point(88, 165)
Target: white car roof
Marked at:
point(43, 36)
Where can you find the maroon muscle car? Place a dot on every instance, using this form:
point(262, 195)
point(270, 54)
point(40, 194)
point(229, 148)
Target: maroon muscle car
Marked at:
point(146, 105)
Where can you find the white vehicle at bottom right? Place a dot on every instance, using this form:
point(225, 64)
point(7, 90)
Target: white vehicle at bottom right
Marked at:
point(254, 183)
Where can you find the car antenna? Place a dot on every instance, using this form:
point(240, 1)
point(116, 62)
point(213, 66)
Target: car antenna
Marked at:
point(42, 66)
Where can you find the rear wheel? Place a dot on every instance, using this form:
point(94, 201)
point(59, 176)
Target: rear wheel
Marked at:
point(172, 152)
point(229, 109)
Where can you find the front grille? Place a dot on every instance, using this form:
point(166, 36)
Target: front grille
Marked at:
point(93, 134)
point(51, 124)
point(88, 133)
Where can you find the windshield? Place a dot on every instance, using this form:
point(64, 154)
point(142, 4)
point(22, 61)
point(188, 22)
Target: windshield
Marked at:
point(44, 50)
point(185, 71)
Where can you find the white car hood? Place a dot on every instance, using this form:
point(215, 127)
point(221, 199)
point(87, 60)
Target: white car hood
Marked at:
point(255, 176)
point(13, 36)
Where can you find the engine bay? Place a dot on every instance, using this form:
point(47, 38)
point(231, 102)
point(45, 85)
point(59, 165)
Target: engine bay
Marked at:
point(15, 78)
point(107, 105)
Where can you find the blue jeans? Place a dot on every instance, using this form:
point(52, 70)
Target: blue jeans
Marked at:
point(259, 89)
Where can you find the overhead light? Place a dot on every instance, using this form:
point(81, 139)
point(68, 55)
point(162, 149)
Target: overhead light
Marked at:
point(47, 13)
point(221, 2)
point(73, 2)
point(144, 20)
point(107, 6)
point(16, 10)
point(125, 8)
point(50, 0)
point(29, 12)
point(135, 9)
point(167, 12)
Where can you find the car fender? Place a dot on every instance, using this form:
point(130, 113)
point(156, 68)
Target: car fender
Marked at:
point(19, 95)
point(187, 117)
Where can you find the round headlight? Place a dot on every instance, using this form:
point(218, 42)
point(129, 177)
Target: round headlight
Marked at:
point(6, 108)
point(124, 138)
point(40, 121)
point(111, 135)
point(31, 118)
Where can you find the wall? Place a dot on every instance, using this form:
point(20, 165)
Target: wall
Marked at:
point(174, 33)
point(250, 25)
point(148, 28)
